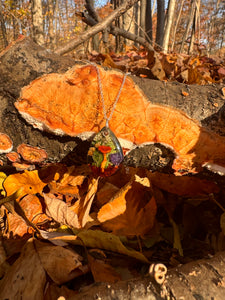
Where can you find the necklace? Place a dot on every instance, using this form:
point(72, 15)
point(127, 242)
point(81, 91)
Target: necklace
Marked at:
point(105, 153)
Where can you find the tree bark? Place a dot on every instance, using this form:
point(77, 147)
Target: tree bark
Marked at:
point(37, 20)
point(170, 15)
point(190, 21)
point(143, 18)
point(148, 20)
point(3, 38)
point(202, 279)
point(97, 28)
point(160, 22)
point(176, 24)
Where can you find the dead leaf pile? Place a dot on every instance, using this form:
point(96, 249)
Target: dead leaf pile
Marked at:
point(189, 69)
point(60, 223)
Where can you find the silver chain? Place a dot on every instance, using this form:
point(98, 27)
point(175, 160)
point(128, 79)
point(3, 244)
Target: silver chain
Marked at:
point(107, 119)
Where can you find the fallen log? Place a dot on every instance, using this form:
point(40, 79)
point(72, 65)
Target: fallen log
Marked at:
point(24, 61)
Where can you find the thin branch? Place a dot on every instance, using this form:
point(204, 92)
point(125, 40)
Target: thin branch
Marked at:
point(96, 28)
point(117, 31)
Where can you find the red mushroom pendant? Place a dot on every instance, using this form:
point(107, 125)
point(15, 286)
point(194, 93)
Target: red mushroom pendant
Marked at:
point(105, 153)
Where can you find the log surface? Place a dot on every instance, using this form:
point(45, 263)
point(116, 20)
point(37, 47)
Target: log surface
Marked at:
point(24, 61)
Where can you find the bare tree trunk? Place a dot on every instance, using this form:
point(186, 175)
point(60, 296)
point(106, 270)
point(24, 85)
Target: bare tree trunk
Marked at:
point(50, 23)
point(160, 22)
point(194, 27)
point(37, 20)
point(56, 19)
point(190, 21)
point(143, 18)
point(148, 20)
point(136, 13)
point(176, 24)
point(97, 28)
point(170, 14)
point(3, 38)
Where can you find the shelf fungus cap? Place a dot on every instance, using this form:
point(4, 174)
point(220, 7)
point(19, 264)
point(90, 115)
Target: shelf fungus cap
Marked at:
point(32, 154)
point(6, 143)
point(13, 157)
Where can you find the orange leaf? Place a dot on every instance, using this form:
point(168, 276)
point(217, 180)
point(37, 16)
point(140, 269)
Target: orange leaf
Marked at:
point(116, 206)
point(101, 271)
point(29, 181)
point(33, 210)
point(182, 185)
point(139, 216)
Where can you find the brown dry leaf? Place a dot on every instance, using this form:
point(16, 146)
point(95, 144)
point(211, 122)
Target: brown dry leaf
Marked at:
point(109, 62)
point(182, 185)
point(105, 193)
point(27, 275)
point(59, 263)
point(223, 91)
point(33, 210)
point(29, 181)
point(115, 206)
point(60, 211)
point(155, 65)
point(86, 202)
point(139, 216)
point(101, 271)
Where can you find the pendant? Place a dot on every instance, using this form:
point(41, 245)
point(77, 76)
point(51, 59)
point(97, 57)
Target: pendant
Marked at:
point(105, 153)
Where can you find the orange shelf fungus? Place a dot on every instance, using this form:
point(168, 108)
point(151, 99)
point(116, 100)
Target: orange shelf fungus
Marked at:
point(6, 143)
point(69, 104)
point(32, 154)
point(13, 157)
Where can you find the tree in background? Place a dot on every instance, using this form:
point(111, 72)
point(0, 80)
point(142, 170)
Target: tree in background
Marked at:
point(182, 26)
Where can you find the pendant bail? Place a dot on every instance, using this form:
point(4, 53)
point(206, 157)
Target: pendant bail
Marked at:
point(107, 123)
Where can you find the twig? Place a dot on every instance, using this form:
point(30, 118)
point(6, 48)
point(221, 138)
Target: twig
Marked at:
point(96, 28)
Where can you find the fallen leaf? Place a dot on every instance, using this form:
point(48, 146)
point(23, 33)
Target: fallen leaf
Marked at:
point(29, 181)
point(27, 274)
point(59, 263)
point(101, 240)
point(33, 210)
point(60, 211)
point(106, 193)
point(101, 271)
point(86, 202)
point(115, 206)
point(137, 216)
point(182, 185)
point(3, 176)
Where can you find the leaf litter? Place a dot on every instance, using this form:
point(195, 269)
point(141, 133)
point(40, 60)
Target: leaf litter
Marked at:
point(72, 224)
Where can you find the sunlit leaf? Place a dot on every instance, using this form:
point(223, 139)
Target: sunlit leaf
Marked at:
point(131, 214)
point(29, 181)
point(32, 208)
point(101, 240)
point(116, 206)
point(86, 202)
point(2, 178)
point(60, 211)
